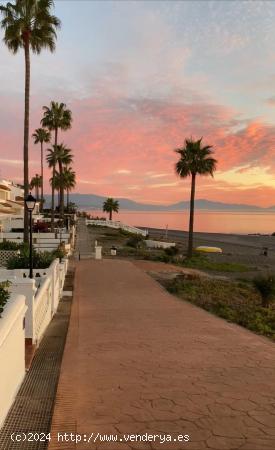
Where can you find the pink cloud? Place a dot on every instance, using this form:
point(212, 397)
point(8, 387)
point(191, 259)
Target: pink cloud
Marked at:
point(115, 136)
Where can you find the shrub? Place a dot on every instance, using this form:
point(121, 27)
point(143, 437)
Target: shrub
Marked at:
point(265, 285)
point(126, 233)
point(172, 251)
point(4, 295)
point(41, 260)
point(126, 251)
point(135, 241)
point(9, 245)
point(60, 252)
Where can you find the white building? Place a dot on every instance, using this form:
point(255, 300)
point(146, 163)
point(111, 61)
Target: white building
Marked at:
point(12, 205)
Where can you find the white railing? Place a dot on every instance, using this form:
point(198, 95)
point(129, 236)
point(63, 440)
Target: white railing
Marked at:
point(42, 309)
point(42, 294)
point(18, 236)
point(118, 225)
point(12, 352)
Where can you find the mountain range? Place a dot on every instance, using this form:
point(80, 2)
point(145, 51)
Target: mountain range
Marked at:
point(91, 202)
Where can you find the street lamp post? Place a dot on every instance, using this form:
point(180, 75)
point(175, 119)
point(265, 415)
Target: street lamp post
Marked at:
point(30, 202)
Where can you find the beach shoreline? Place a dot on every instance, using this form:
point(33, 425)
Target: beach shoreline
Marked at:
point(230, 243)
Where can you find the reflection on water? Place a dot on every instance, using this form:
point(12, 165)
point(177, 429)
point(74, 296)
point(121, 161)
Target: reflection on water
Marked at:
point(207, 221)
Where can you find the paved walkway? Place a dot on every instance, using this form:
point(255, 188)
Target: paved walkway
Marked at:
point(138, 360)
point(83, 245)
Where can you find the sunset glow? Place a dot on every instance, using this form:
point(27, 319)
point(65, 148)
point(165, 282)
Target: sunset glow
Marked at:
point(139, 77)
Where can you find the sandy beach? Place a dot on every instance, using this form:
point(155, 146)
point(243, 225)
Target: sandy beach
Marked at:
point(252, 244)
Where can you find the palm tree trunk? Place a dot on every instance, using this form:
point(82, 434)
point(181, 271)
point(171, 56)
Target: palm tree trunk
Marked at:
point(42, 179)
point(111, 215)
point(61, 208)
point(26, 136)
point(67, 199)
point(52, 201)
point(53, 183)
point(191, 218)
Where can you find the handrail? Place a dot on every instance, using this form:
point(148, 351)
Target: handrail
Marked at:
point(117, 224)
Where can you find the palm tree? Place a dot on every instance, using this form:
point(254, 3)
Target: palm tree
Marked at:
point(109, 206)
point(64, 158)
point(69, 181)
point(40, 136)
point(52, 161)
point(55, 183)
point(59, 155)
point(28, 24)
point(36, 183)
point(56, 117)
point(194, 160)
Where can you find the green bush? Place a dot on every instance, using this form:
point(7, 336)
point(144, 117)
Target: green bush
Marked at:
point(171, 251)
point(9, 245)
point(265, 285)
point(41, 260)
point(135, 241)
point(125, 233)
point(163, 257)
point(4, 295)
point(126, 251)
point(60, 253)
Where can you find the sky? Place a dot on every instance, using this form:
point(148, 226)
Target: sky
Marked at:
point(140, 77)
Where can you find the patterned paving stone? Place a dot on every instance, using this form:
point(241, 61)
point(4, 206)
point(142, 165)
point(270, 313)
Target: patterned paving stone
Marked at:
point(138, 360)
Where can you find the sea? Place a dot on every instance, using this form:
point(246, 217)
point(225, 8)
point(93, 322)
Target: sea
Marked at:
point(205, 221)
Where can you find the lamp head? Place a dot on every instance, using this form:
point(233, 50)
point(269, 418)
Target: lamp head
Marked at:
point(30, 202)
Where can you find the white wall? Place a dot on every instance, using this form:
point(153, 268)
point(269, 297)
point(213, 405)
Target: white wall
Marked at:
point(12, 352)
point(42, 294)
point(159, 244)
point(118, 225)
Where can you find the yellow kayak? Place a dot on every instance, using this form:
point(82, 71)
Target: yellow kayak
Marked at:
point(206, 249)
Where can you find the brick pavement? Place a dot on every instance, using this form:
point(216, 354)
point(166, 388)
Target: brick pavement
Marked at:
point(138, 360)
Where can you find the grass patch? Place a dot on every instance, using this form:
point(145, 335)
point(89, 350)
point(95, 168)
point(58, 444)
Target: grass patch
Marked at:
point(202, 262)
point(236, 302)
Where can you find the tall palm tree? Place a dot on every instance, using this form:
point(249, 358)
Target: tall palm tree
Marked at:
point(28, 24)
point(56, 117)
point(36, 183)
point(69, 180)
point(110, 205)
point(195, 159)
point(41, 136)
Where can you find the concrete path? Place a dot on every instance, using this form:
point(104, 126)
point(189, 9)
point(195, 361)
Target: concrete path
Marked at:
point(138, 361)
point(83, 245)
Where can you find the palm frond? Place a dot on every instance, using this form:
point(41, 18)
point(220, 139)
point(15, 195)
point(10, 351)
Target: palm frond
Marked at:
point(195, 159)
